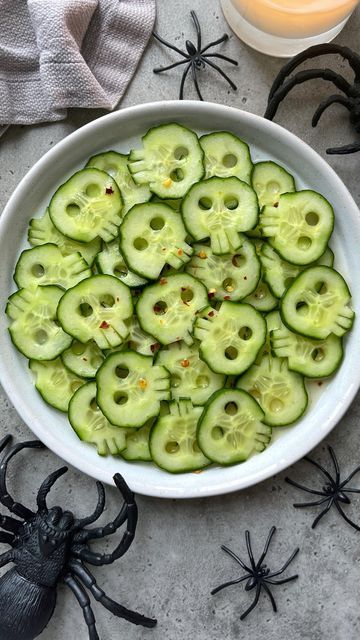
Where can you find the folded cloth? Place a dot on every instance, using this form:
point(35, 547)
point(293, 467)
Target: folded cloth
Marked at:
point(56, 54)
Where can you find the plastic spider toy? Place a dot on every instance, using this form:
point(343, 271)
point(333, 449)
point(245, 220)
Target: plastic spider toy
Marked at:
point(258, 575)
point(351, 100)
point(195, 57)
point(49, 546)
point(332, 493)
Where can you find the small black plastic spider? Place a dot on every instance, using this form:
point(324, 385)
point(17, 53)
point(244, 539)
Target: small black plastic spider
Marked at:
point(195, 58)
point(351, 100)
point(333, 492)
point(258, 575)
point(49, 546)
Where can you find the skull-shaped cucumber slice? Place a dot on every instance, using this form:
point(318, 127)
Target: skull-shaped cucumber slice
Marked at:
point(55, 383)
point(45, 265)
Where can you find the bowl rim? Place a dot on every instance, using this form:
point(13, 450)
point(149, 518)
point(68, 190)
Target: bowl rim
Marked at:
point(165, 109)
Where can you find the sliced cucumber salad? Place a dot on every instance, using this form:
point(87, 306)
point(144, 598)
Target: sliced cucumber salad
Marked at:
point(176, 299)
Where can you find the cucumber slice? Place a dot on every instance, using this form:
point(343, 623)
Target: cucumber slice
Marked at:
point(111, 262)
point(317, 304)
point(86, 206)
point(140, 341)
point(95, 310)
point(137, 443)
point(83, 359)
point(130, 388)
point(231, 337)
point(173, 444)
point(279, 274)
point(229, 277)
point(151, 236)
point(45, 265)
point(167, 309)
point(42, 231)
point(116, 165)
point(226, 155)
point(55, 383)
point(262, 299)
point(280, 392)
point(299, 227)
point(190, 376)
point(220, 208)
point(231, 428)
point(35, 330)
point(170, 161)
point(270, 180)
point(90, 425)
point(311, 358)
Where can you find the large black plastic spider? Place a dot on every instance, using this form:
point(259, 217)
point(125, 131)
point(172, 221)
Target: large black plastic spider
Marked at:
point(351, 100)
point(258, 575)
point(195, 58)
point(49, 546)
point(333, 492)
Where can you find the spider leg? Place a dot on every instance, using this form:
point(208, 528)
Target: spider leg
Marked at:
point(249, 549)
point(6, 557)
point(117, 609)
point(299, 505)
point(6, 538)
point(79, 524)
point(313, 52)
point(219, 55)
point(5, 499)
point(222, 73)
point(194, 77)
point(213, 44)
point(84, 602)
point(100, 532)
point(330, 449)
point(197, 27)
point(285, 566)
point(228, 584)
point(170, 66)
point(352, 474)
point(342, 512)
point(168, 44)
point(270, 596)
point(131, 516)
point(253, 604)
point(301, 486)
point(4, 441)
point(299, 78)
point(318, 466)
point(181, 94)
point(266, 548)
point(282, 581)
point(348, 148)
point(322, 514)
point(10, 524)
point(335, 99)
point(46, 486)
point(233, 555)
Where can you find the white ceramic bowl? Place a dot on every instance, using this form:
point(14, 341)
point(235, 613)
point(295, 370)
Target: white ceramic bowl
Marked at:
point(122, 131)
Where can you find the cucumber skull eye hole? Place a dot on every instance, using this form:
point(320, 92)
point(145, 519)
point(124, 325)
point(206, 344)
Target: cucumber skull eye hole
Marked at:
point(229, 160)
point(205, 204)
point(217, 433)
point(302, 308)
point(186, 295)
point(231, 408)
point(107, 301)
point(180, 153)
point(157, 223)
point(175, 381)
point(273, 187)
point(93, 190)
point(276, 405)
point(202, 382)
point(172, 447)
point(41, 336)
point(304, 243)
point(245, 333)
point(231, 202)
point(318, 354)
point(140, 244)
point(93, 405)
point(77, 348)
point(312, 218)
point(120, 270)
point(73, 209)
point(85, 309)
point(160, 308)
point(238, 260)
point(120, 397)
point(177, 175)
point(321, 287)
point(231, 353)
point(121, 372)
point(228, 284)
point(37, 270)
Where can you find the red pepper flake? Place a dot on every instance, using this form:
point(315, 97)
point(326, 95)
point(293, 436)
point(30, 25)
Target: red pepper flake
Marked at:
point(276, 205)
point(180, 252)
point(104, 325)
point(320, 383)
point(202, 255)
point(154, 347)
point(85, 359)
point(142, 383)
point(211, 293)
point(183, 288)
point(117, 299)
point(163, 281)
point(245, 277)
point(211, 313)
point(163, 249)
point(109, 191)
point(226, 297)
point(158, 309)
point(185, 363)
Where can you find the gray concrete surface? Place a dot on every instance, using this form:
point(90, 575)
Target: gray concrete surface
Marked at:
point(176, 559)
